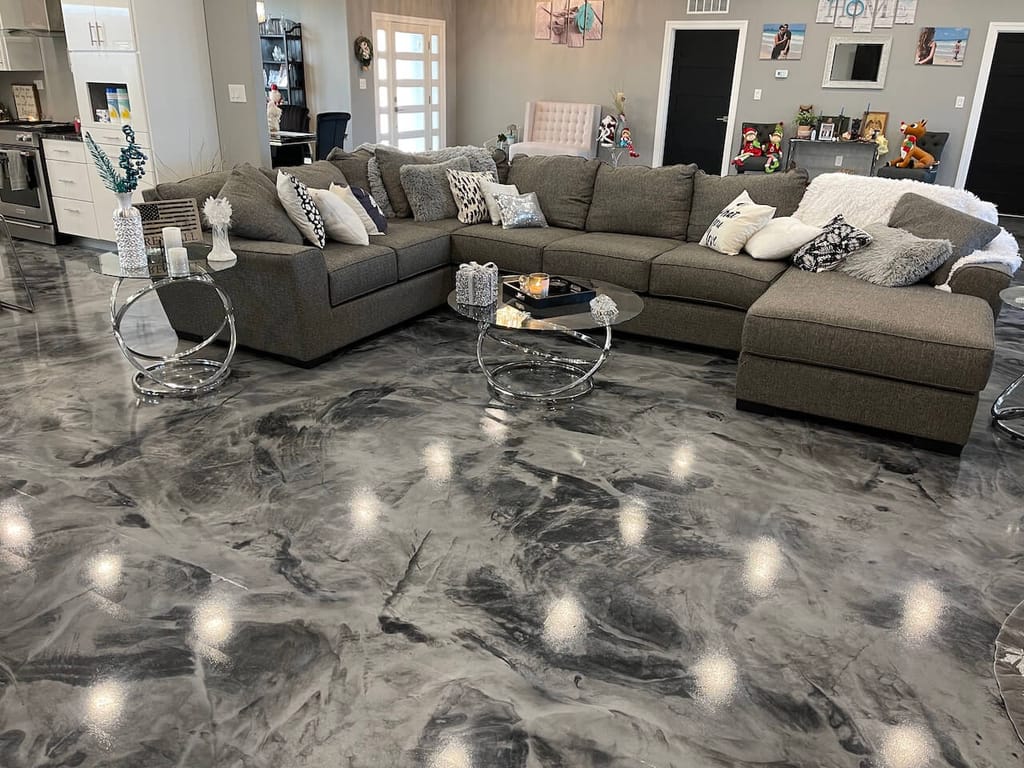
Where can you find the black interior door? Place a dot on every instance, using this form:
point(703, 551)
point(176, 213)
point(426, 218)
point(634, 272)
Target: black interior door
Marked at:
point(699, 95)
point(996, 165)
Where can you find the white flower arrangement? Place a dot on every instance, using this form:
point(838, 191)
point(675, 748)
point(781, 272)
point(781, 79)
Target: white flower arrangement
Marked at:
point(217, 211)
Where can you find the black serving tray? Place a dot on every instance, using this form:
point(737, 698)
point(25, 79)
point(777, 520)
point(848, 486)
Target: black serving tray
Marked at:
point(564, 297)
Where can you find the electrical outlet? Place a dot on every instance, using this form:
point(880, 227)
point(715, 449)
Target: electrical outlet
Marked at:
point(236, 93)
point(960, 100)
point(839, 161)
point(40, 85)
point(781, 74)
point(362, 83)
point(757, 94)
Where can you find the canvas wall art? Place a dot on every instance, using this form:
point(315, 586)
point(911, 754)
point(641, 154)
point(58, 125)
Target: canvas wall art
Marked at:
point(941, 46)
point(564, 22)
point(783, 41)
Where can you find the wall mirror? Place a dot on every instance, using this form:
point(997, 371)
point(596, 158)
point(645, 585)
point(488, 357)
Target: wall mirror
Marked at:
point(856, 61)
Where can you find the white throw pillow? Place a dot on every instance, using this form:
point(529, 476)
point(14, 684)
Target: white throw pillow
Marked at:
point(468, 196)
point(780, 238)
point(492, 188)
point(340, 221)
point(736, 223)
point(345, 195)
point(295, 197)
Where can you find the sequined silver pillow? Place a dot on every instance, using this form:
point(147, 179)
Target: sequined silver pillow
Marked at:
point(520, 211)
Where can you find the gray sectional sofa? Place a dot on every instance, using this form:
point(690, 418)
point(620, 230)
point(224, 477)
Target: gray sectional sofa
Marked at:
point(905, 360)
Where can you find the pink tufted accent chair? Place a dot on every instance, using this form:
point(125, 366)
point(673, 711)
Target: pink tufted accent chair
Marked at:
point(559, 128)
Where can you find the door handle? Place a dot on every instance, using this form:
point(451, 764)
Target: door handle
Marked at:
point(723, 119)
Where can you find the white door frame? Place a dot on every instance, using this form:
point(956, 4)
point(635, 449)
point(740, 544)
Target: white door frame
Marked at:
point(979, 95)
point(376, 17)
point(668, 52)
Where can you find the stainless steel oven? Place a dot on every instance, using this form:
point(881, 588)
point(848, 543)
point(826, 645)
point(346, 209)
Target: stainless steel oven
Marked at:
point(24, 188)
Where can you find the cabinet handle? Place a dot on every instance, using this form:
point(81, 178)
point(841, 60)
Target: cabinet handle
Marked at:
point(72, 210)
point(99, 38)
point(92, 36)
point(66, 181)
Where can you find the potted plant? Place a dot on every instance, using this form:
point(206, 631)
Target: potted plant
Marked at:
point(131, 245)
point(805, 121)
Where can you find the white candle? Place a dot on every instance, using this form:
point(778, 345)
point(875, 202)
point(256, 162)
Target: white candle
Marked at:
point(172, 238)
point(177, 262)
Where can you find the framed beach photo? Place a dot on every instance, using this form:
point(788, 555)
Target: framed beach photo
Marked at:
point(782, 42)
point(942, 46)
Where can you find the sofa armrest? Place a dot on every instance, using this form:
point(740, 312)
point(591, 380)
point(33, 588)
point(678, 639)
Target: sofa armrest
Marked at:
point(983, 281)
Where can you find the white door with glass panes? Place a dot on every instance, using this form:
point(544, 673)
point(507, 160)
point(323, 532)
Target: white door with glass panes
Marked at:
point(408, 79)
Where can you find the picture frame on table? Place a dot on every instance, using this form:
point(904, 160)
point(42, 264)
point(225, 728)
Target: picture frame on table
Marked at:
point(874, 121)
point(826, 131)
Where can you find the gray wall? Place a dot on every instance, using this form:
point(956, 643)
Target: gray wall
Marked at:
point(359, 23)
point(231, 31)
point(501, 67)
point(327, 51)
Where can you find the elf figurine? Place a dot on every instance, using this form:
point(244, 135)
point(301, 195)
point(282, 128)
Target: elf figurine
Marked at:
point(626, 142)
point(773, 152)
point(751, 147)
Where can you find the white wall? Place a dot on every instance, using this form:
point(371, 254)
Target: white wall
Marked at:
point(501, 67)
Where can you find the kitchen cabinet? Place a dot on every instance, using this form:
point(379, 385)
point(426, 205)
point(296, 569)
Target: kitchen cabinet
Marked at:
point(101, 25)
point(37, 15)
point(20, 52)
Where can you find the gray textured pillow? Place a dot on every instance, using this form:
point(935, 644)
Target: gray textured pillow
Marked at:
point(564, 186)
point(711, 194)
point(352, 164)
point(634, 200)
point(318, 175)
point(895, 257)
point(256, 212)
point(198, 188)
point(428, 191)
point(926, 218)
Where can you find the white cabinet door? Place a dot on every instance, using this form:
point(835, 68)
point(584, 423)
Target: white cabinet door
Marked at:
point(114, 25)
point(94, 71)
point(80, 25)
point(12, 14)
point(20, 52)
point(75, 217)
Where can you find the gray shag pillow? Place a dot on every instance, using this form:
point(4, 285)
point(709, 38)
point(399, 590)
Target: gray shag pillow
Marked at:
point(377, 189)
point(256, 211)
point(427, 189)
point(896, 258)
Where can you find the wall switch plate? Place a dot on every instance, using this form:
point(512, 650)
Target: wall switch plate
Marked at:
point(236, 93)
point(839, 161)
point(781, 74)
point(960, 102)
point(757, 94)
point(362, 83)
point(40, 85)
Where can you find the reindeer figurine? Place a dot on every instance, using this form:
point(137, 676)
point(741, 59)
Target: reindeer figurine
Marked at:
point(911, 155)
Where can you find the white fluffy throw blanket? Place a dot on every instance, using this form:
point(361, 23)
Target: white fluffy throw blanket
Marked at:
point(866, 201)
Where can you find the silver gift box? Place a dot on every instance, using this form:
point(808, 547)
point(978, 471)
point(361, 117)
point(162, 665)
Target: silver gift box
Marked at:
point(477, 284)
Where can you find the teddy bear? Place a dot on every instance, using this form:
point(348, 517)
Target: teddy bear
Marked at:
point(911, 155)
point(751, 147)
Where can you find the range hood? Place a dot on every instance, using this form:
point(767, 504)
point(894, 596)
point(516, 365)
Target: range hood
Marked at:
point(31, 15)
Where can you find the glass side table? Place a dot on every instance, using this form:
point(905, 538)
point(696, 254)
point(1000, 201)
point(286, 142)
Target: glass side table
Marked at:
point(1001, 412)
point(182, 374)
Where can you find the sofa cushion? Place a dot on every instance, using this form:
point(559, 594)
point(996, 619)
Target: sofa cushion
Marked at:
point(318, 175)
point(635, 200)
point(927, 218)
point(390, 162)
point(915, 334)
point(711, 194)
point(564, 186)
point(621, 259)
point(895, 257)
point(513, 250)
point(419, 247)
point(355, 270)
point(256, 211)
point(695, 273)
point(198, 188)
point(352, 165)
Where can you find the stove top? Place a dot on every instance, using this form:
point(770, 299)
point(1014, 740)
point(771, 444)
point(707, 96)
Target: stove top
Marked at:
point(37, 126)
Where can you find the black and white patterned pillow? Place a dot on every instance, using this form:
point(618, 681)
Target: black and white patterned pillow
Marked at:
point(301, 208)
point(828, 250)
point(468, 194)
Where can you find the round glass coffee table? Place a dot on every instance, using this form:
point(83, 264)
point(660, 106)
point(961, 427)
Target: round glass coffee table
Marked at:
point(565, 378)
point(182, 374)
point(1001, 412)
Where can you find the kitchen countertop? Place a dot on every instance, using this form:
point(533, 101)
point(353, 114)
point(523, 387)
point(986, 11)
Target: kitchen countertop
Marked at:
point(71, 136)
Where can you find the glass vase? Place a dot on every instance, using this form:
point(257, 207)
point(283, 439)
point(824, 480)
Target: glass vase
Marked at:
point(131, 244)
point(221, 246)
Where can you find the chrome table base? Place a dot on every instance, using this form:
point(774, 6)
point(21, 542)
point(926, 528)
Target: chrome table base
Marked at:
point(577, 373)
point(181, 374)
point(1002, 413)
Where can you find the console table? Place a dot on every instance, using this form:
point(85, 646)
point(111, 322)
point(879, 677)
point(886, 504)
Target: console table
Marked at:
point(818, 157)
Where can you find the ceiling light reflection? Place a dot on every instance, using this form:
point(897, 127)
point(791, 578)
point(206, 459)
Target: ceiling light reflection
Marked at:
point(716, 677)
point(104, 704)
point(105, 571)
point(762, 566)
point(16, 534)
point(455, 754)
point(365, 509)
point(493, 425)
point(565, 624)
point(633, 522)
point(907, 746)
point(437, 458)
point(923, 605)
point(682, 461)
